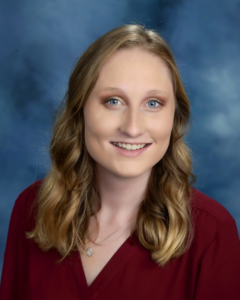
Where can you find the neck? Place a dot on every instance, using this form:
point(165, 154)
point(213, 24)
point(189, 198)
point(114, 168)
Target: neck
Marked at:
point(120, 197)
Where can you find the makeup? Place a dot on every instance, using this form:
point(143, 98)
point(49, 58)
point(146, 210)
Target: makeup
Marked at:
point(126, 113)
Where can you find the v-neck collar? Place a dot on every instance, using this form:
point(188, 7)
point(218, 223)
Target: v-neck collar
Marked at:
point(110, 270)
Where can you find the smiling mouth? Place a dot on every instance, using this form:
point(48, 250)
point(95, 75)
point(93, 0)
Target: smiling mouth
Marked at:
point(130, 147)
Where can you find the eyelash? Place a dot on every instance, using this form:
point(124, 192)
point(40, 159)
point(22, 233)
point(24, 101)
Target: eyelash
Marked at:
point(152, 100)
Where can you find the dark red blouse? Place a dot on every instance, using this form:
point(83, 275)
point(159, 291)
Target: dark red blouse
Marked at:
point(209, 270)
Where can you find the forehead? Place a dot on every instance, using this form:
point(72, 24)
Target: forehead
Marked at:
point(135, 66)
point(132, 56)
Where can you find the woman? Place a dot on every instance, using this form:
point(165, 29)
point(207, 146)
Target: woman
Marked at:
point(116, 217)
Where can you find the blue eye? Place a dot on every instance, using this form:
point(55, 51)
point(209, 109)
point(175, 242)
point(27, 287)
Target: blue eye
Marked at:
point(112, 101)
point(152, 103)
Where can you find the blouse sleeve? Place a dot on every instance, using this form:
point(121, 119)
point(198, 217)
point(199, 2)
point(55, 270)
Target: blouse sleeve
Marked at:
point(16, 247)
point(219, 276)
point(9, 273)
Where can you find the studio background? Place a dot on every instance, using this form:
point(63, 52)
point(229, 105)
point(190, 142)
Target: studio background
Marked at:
point(42, 40)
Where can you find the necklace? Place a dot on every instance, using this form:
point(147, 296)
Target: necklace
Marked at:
point(89, 250)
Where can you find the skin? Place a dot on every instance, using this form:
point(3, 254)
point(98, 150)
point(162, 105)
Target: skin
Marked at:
point(133, 102)
point(119, 109)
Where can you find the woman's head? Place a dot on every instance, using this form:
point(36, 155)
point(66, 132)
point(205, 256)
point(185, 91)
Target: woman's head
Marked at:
point(87, 70)
point(132, 104)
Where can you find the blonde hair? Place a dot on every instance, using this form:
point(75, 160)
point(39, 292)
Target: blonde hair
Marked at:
point(68, 196)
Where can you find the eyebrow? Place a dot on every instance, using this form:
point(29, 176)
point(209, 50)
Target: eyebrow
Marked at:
point(150, 92)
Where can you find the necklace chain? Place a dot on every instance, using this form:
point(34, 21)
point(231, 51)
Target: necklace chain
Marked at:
point(89, 250)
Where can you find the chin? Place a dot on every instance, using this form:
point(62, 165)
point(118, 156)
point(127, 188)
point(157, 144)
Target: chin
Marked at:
point(133, 173)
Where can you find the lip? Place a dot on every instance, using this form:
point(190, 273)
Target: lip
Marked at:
point(131, 153)
point(130, 143)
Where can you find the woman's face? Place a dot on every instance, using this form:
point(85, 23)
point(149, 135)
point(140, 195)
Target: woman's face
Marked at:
point(132, 103)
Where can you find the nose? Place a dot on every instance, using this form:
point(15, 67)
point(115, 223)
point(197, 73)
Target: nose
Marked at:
point(132, 123)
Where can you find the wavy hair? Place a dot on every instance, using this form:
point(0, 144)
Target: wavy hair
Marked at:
point(68, 196)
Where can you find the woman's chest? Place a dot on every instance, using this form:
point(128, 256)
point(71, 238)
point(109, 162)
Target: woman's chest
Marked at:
point(96, 257)
point(130, 273)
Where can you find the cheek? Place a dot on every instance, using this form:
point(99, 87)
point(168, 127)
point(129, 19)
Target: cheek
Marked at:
point(162, 128)
point(99, 126)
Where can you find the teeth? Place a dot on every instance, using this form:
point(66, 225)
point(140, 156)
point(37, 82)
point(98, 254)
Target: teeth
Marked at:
point(129, 146)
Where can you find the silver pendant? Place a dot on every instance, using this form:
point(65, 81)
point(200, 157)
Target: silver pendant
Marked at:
point(89, 252)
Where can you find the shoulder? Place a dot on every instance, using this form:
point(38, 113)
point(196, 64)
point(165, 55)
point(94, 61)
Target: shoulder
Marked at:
point(203, 204)
point(215, 249)
point(25, 203)
point(212, 223)
point(28, 195)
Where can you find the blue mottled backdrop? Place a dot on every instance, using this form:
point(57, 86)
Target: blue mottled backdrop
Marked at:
point(40, 43)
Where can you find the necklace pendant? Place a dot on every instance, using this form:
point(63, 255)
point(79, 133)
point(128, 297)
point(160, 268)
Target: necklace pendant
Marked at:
point(89, 252)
